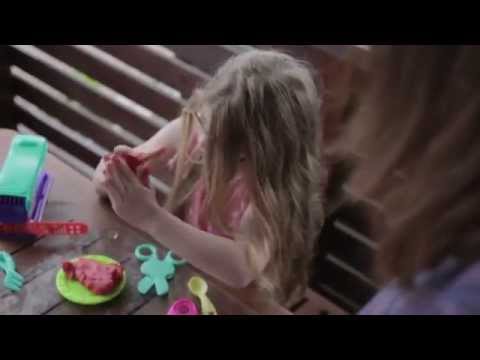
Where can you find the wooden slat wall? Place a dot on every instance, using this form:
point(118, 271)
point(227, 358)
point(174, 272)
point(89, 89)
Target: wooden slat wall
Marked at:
point(159, 102)
point(344, 269)
point(205, 57)
point(87, 99)
point(70, 118)
point(172, 71)
point(80, 92)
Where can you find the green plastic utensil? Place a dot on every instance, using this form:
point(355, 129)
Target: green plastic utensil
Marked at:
point(13, 281)
point(199, 288)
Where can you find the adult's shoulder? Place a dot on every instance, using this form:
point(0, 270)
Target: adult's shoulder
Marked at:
point(447, 290)
point(464, 290)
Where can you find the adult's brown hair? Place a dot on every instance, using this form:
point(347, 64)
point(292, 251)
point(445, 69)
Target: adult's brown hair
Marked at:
point(416, 140)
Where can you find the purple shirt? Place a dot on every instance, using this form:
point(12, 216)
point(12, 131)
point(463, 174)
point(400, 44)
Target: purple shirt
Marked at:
point(447, 290)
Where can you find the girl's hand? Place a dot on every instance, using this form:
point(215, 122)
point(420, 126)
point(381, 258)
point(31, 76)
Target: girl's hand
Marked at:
point(99, 175)
point(160, 161)
point(124, 150)
point(131, 200)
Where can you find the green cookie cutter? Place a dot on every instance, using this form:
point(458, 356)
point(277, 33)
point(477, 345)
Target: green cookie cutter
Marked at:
point(157, 272)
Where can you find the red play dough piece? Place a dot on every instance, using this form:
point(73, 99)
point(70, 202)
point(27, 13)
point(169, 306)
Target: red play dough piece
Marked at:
point(132, 161)
point(99, 278)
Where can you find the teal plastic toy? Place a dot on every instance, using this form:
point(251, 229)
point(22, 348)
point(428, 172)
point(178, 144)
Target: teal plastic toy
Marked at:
point(13, 281)
point(157, 272)
point(19, 177)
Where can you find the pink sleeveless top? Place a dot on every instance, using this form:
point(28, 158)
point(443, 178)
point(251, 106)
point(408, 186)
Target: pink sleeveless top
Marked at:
point(196, 213)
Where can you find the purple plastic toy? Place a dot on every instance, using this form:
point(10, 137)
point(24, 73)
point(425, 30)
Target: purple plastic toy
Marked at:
point(43, 188)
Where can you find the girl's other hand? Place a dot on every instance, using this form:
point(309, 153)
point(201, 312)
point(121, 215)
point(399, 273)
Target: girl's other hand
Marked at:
point(133, 202)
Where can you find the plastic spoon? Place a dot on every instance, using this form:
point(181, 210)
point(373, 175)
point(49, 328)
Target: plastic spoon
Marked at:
point(199, 288)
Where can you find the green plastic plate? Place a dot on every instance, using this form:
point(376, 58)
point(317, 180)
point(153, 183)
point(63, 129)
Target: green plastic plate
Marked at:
point(75, 292)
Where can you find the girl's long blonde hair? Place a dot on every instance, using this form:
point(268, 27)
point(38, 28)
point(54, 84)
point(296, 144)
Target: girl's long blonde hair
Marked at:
point(265, 107)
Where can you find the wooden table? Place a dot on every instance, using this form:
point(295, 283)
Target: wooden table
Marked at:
point(73, 198)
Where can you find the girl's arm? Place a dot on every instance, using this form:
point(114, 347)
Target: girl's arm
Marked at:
point(224, 259)
point(168, 137)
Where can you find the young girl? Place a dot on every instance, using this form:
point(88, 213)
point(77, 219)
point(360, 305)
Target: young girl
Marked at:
point(244, 156)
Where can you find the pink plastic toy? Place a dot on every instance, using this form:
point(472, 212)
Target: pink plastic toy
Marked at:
point(183, 307)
